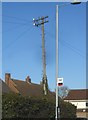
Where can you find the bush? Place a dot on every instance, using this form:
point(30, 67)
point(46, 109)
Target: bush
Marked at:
point(17, 106)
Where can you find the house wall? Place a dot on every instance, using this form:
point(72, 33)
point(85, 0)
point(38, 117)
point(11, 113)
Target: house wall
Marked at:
point(81, 104)
point(82, 114)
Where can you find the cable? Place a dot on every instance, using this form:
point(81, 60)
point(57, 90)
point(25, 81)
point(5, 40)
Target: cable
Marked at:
point(19, 26)
point(72, 48)
point(27, 22)
point(68, 45)
point(21, 35)
point(13, 22)
point(16, 18)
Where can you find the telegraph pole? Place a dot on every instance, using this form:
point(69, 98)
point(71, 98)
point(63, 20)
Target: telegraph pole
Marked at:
point(37, 22)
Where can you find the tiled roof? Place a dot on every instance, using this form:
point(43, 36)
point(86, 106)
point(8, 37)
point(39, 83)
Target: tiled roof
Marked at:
point(4, 88)
point(79, 94)
point(30, 89)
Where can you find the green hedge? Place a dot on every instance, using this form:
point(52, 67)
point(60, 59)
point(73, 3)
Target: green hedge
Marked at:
point(17, 106)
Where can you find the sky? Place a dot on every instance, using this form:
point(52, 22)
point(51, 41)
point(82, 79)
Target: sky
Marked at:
point(22, 42)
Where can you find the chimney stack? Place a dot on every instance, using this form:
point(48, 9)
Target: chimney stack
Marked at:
point(28, 79)
point(7, 78)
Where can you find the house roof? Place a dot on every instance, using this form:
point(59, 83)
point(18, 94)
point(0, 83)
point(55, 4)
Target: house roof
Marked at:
point(79, 94)
point(4, 88)
point(30, 89)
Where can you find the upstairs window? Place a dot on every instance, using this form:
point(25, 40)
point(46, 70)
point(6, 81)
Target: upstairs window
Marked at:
point(87, 104)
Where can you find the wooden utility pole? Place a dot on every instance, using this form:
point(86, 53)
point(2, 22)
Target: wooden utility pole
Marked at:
point(37, 22)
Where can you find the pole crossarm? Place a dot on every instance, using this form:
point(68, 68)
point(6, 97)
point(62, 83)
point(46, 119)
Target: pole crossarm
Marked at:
point(40, 21)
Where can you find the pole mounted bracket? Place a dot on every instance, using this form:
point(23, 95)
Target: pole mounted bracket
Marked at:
point(40, 21)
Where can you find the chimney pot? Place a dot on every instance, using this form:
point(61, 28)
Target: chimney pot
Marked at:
point(28, 79)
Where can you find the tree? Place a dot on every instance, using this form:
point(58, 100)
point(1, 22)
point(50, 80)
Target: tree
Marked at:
point(63, 91)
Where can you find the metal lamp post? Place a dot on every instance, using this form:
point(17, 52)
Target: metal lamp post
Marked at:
point(57, 76)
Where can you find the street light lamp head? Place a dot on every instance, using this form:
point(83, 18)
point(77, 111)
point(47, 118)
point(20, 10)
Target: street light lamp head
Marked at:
point(75, 2)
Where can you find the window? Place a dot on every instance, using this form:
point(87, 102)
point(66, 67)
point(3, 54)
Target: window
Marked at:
point(87, 104)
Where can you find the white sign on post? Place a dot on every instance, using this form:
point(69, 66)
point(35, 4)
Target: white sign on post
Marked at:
point(59, 81)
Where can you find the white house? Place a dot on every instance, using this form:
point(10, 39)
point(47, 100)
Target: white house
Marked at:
point(79, 98)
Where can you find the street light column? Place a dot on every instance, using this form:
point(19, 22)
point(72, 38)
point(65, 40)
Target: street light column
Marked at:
point(75, 2)
point(57, 108)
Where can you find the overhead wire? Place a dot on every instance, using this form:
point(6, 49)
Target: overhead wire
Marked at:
point(69, 45)
point(27, 22)
point(62, 41)
point(17, 23)
point(72, 48)
point(13, 28)
point(18, 38)
point(14, 22)
point(14, 17)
